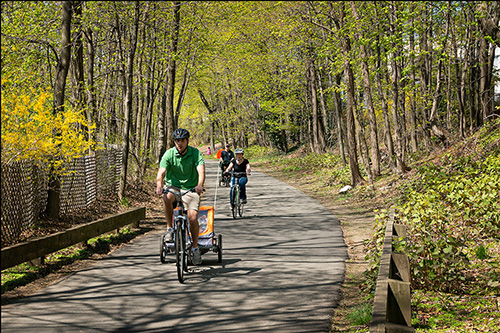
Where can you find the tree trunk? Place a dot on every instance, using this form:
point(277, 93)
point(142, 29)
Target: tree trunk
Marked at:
point(324, 114)
point(459, 84)
point(182, 94)
point(484, 83)
point(53, 200)
point(396, 69)
point(91, 99)
point(77, 68)
point(170, 117)
point(375, 151)
point(162, 135)
point(127, 100)
point(413, 107)
point(212, 123)
point(385, 112)
point(356, 177)
point(317, 136)
point(489, 25)
point(435, 127)
point(363, 147)
point(426, 75)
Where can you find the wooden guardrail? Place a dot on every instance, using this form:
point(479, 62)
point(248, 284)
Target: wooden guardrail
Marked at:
point(392, 302)
point(38, 248)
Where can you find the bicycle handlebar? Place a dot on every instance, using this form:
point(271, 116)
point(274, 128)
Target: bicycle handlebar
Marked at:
point(239, 174)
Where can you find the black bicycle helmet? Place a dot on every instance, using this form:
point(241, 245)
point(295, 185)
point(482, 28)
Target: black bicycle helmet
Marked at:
point(181, 133)
point(239, 151)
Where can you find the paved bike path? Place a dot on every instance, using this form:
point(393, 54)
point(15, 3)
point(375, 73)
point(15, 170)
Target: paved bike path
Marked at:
point(281, 271)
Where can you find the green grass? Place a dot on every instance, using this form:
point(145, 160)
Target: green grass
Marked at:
point(361, 315)
point(441, 312)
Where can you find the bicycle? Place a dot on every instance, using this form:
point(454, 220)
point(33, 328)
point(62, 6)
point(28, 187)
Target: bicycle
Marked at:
point(182, 239)
point(225, 179)
point(236, 205)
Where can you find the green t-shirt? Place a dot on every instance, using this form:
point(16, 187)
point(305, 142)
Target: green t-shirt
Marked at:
point(181, 170)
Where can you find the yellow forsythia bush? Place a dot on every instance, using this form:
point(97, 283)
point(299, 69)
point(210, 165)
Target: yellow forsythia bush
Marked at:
point(31, 131)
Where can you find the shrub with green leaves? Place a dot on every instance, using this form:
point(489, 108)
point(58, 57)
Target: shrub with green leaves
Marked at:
point(452, 214)
point(451, 210)
point(447, 214)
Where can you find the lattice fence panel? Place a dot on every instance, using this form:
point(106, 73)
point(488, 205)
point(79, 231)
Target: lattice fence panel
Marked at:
point(73, 187)
point(118, 155)
point(108, 167)
point(90, 180)
point(22, 201)
point(25, 189)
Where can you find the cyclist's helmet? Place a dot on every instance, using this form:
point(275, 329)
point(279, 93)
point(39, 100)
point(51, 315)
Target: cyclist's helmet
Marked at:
point(239, 151)
point(181, 133)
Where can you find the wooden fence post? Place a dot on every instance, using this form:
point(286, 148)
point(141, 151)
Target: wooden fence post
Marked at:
point(392, 300)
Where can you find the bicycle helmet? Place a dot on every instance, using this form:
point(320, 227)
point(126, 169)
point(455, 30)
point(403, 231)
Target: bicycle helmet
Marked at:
point(239, 151)
point(181, 133)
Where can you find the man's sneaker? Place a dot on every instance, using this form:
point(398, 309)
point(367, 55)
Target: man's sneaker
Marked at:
point(196, 256)
point(243, 201)
point(169, 236)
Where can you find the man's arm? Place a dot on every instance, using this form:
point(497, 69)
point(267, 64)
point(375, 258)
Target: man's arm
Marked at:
point(160, 178)
point(201, 178)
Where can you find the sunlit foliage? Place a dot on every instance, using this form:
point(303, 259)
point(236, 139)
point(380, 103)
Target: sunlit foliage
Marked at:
point(30, 130)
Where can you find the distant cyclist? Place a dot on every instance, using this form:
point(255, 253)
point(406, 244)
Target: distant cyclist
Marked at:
point(240, 164)
point(225, 157)
point(182, 167)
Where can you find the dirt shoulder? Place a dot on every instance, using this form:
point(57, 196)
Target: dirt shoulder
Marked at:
point(357, 220)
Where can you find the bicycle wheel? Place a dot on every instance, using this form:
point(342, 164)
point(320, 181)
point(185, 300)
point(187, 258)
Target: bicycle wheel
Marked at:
point(240, 209)
point(187, 251)
point(180, 252)
point(163, 250)
point(219, 245)
point(235, 193)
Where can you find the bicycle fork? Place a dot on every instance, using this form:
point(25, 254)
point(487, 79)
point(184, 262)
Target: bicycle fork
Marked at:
point(182, 223)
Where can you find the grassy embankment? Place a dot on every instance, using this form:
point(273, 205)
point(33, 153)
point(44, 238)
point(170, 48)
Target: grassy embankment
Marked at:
point(449, 202)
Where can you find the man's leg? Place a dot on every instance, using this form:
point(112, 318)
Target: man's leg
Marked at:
point(192, 204)
point(194, 226)
point(195, 230)
point(168, 209)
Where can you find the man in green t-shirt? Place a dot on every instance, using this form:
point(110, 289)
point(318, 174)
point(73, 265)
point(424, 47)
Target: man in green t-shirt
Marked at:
point(182, 167)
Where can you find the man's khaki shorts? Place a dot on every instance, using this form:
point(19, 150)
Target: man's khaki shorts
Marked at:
point(191, 200)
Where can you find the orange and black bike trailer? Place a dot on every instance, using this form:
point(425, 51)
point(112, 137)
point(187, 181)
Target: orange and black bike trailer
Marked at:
point(207, 239)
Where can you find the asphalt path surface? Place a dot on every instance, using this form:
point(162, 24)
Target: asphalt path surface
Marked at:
point(282, 268)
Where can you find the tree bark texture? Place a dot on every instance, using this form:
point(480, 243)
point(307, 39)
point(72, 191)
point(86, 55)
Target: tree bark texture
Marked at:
point(356, 177)
point(170, 117)
point(53, 201)
point(128, 78)
point(375, 151)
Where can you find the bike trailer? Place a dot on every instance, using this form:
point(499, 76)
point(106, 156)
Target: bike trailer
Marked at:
point(206, 222)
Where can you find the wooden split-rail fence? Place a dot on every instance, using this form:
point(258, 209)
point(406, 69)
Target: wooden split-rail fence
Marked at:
point(392, 300)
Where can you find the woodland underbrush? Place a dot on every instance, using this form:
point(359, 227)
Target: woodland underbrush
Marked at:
point(450, 204)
